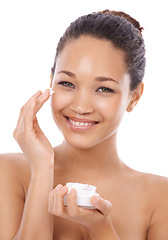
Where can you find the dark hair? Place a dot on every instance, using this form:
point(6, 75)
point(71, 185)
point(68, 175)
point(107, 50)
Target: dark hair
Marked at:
point(119, 28)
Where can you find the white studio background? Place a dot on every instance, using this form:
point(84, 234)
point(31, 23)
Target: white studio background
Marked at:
point(29, 32)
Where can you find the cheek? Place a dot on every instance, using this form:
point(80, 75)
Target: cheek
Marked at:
point(109, 108)
point(59, 101)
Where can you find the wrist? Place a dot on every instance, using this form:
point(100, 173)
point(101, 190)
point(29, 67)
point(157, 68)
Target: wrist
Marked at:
point(41, 167)
point(42, 180)
point(42, 172)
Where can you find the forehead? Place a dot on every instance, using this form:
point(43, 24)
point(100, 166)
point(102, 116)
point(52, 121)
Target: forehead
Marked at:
point(89, 55)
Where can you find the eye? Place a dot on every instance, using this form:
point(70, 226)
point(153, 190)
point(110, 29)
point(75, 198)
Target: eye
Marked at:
point(105, 90)
point(66, 84)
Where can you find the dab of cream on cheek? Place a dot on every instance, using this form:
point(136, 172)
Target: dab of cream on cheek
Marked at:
point(60, 99)
point(84, 194)
point(51, 92)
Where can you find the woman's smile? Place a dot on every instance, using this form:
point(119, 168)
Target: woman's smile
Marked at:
point(79, 124)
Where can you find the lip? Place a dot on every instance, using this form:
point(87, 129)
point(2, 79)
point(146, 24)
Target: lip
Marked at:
point(80, 124)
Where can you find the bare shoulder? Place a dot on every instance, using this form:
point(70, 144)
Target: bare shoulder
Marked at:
point(153, 187)
point(15, 162)
point(14, 168)
point(154, 193)
point(156, 185)
point(159, 199)
point(151, 182)
point(14, 181)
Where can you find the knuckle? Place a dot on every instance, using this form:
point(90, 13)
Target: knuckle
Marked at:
point(109, 207)
point(19, 135)
point(22, 109)
point(50, 197)
point(56, 193)
point(54, 199)
point(72, 213)
point(57, 212)
point(53, 194)
point(33, 102)
point(50, 210)
point(14, 134)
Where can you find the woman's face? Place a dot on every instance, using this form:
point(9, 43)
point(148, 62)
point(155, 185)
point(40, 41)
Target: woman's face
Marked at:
point(91, 91)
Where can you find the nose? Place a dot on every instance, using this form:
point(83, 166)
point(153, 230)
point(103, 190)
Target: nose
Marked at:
point(82, 103)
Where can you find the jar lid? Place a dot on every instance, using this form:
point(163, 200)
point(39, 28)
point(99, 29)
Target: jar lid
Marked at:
point(84, 194)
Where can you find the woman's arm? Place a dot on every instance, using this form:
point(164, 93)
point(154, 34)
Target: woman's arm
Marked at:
point(11, 196)
point(36, 222)
point(20, 219)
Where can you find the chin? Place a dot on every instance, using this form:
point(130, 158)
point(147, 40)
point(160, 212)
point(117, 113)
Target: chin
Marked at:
point(86, 143)
point(81, 146)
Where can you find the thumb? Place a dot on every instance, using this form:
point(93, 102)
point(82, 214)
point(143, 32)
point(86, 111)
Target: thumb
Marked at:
point(104, 206)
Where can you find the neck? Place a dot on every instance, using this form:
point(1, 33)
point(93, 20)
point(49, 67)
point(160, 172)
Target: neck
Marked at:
point(103, 157)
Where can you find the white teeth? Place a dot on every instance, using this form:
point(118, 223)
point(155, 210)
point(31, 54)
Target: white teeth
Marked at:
point(80, 124)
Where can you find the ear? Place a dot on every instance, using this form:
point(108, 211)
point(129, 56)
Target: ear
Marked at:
point(51, 80)
point(135, 96)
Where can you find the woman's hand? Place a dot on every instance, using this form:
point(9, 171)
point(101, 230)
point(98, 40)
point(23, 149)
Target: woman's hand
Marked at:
point(30, 137)
point(97, 221)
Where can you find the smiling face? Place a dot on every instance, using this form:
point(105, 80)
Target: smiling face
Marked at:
point(91, 91)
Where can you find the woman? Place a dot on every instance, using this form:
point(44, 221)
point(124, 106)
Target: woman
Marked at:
point(96, 77)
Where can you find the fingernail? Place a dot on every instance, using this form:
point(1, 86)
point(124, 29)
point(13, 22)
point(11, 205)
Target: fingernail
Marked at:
point(73, 191)
point(45, 92)
point(58, 186)
point(96, 200)
point(64, 189)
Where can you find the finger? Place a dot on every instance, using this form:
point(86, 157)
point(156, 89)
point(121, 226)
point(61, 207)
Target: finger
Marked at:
point(73, 210)
point(51, 202)
point(35, 96)
point(28, 112)
point(25, 121)
point(36, 102)
point(58, 206)
point(27, 104)
point(104, 206)
point(42, 99)
point(38, 96)
point(51, 199)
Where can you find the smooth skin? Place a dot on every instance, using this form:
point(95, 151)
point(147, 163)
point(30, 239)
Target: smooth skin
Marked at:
point(91, 86)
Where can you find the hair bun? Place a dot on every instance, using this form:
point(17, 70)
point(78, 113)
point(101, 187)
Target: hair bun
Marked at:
point(127, 17)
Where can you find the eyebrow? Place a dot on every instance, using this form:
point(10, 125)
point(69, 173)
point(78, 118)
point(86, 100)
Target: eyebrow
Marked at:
point(104, 79)
point(70, 74)
point(99, 79)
